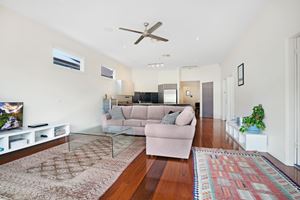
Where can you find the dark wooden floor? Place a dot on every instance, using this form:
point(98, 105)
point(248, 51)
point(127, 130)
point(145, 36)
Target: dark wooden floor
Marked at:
point(166, 178)
point(163, 178)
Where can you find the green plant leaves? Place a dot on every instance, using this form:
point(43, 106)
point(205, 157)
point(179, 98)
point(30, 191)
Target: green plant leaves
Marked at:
point(255, 119)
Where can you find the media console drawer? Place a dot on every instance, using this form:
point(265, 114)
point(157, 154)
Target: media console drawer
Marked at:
point(16, 144)
point(17, 139)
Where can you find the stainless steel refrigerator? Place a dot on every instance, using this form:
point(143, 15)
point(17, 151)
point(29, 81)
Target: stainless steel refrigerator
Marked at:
point(170, 96)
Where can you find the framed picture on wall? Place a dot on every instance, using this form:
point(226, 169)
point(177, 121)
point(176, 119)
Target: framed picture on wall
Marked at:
point(240, 74)
point(187, 93)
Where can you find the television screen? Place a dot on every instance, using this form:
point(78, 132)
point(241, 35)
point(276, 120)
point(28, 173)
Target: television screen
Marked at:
point(11, 115)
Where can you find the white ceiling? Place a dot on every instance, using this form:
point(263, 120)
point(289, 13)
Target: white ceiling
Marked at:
point(200, 32)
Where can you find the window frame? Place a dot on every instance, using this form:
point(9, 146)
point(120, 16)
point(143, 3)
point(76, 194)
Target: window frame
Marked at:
point(113, 75)
point(70, 55)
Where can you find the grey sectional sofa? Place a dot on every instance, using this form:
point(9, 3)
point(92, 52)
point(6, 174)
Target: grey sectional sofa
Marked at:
point(171, 140)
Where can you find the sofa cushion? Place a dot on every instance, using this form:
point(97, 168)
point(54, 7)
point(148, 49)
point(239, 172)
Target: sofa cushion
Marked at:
point(116, 113)
point(185, 117)
point(172, 108)
point(126, 111)
point(114, 122)
point(133, 122)
point(155, 112)
point(139, 112)
point(170, 118)
point(138, 131)
point(150, 121)
point(169, 131)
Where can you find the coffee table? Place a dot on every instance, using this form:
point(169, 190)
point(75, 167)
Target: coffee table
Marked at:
point(116, 135)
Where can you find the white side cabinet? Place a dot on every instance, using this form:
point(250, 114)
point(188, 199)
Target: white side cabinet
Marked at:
point(248, 141)
point(13, 140)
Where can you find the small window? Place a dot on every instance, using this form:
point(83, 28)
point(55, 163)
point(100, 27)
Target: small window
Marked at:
point(107, 72)
point(66, 60)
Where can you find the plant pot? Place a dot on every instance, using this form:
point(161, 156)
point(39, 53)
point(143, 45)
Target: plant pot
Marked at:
point(253, 129)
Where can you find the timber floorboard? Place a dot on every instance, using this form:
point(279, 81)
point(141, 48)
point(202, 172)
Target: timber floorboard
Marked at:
point(158, 177)
point(168, 178)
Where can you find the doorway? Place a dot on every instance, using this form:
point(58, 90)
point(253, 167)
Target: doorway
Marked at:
point(190, 94)
point(208, 100)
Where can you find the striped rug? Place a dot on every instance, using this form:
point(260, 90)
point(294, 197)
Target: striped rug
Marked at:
point(227, 174)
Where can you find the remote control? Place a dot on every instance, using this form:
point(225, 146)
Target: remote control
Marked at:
point(37, 125)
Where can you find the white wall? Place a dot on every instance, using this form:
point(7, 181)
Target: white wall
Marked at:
point(209, 73)
point(51, 93)
point(168, 76)
point(263, 50)
point(147, 80)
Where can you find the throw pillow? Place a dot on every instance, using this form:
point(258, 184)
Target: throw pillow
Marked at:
point(170, 118)
point(116, 113)
point(185, 117)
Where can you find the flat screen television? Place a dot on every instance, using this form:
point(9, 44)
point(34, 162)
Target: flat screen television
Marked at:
point(11, 115)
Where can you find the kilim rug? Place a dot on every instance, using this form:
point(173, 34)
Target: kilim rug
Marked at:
point(226, 174)
point(57, 173)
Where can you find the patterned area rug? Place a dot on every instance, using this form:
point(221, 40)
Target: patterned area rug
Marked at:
point(223, 174)
point(57, 173)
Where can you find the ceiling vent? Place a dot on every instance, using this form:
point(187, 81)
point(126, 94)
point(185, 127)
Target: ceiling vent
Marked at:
point(190, 67)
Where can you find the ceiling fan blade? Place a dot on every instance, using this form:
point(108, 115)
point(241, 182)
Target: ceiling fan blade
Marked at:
point(158, 38)
point(138, 40)
point(126, 29)
point(154, 27)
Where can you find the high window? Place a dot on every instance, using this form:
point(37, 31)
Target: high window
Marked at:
point(67, 60)
point(107, 72)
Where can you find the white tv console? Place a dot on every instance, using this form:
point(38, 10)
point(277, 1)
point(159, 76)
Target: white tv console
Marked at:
point(248, 141)
point(16, 139)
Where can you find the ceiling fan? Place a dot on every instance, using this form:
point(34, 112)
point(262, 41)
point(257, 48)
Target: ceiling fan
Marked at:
point(147, 32)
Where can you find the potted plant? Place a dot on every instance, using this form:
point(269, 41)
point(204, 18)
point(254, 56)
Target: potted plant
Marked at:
point(254, 123)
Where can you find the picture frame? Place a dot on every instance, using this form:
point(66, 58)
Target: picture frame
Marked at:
point(240, 71)
point(187, 93)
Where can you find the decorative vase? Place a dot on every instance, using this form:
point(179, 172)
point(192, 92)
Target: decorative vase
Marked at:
point(253, 129)
point(240, 121)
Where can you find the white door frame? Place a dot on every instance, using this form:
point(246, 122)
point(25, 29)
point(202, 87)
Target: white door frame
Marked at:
point(297, 103)
point(224, 99)
point(292, 98)
point(297, 99)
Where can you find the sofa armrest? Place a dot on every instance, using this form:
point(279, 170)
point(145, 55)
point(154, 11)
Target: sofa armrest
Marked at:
point(107, 115)
point(194, 122)
point(170, 131)
point(104, 118)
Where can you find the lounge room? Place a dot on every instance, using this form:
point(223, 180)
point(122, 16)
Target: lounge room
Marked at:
point(195, 99)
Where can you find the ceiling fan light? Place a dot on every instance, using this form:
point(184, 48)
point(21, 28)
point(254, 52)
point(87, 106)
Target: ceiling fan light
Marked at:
point(156, 65)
